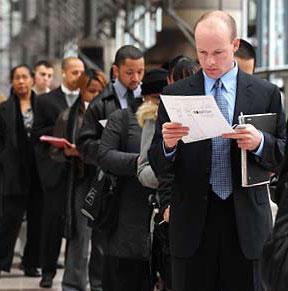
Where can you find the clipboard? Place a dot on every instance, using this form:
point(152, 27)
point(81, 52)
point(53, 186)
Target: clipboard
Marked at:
point(252, 173)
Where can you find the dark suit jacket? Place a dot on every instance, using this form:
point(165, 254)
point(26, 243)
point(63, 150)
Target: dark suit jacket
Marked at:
point(192, 165)
point(17, 159)
point(47, 109)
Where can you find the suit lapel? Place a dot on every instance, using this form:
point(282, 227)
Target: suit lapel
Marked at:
point(243, 99)
point(61, 98)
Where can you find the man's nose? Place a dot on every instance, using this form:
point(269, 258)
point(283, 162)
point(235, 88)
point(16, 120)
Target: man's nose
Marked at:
point(210, 60)
point(136, 77)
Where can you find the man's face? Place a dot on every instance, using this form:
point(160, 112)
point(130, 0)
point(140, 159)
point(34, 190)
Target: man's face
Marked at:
point(131, 73)
point(43, 78)
point(73, 69)
point(246, 66)
point(215, 49)
point(22, 82)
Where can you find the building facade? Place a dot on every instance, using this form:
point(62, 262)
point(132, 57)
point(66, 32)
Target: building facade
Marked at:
point(95, 29)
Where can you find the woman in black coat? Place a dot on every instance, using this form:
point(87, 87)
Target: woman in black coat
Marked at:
point(21, 187)
point(76, 231)
point(127, 262)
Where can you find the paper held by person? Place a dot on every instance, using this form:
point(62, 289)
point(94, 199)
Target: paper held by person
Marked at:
point(200, 113)
point(103, 122)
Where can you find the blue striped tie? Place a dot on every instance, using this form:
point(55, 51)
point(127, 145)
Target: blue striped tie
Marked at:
point(221, 176)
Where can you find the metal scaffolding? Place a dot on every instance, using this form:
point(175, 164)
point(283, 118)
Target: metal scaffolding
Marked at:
point(57, 22)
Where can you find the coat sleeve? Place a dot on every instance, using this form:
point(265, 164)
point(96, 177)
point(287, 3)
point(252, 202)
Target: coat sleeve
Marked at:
point(59, 131)
point(156, 156)
point(110, 158)
point(274, 145)
point(89, 135)
point(145, 174)
point(43, 123)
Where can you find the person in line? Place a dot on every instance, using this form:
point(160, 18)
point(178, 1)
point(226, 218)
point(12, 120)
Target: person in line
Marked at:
point(43, 73)
point(153, 83)
point(77, 232)
point(53, 175)
point(246, 57)
point(128, 67)
point(215, 223)
point(170, 67)
point(21, 187)
point(126, 265)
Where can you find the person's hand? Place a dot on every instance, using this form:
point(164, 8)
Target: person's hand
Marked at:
point(71, 151)
point(248, 137)
point(172, 132)
point(166, 214)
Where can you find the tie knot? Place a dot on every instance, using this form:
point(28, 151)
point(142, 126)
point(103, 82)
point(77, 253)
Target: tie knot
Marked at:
point(72, 95)
point(218, 84)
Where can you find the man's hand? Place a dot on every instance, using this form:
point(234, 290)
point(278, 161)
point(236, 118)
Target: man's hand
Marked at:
point(71, 151)
point(166, 214)
point(248, 138)
point(172, 132)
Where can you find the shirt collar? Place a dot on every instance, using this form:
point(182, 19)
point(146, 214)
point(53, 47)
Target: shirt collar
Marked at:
point(66, 91)
point(226, 79)
point(119, 88)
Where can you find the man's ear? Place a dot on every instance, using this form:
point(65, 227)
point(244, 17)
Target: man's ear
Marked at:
point(236, 44)
point(115, 69)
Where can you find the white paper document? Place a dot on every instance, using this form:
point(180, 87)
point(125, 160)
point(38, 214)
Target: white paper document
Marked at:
point(200, 113)
point(103, 122)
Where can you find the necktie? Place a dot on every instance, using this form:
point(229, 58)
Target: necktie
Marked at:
point(221, 176)
point(130, 98)
point(71, 98)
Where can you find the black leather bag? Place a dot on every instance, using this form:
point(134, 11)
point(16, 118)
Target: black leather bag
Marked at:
point(274, 261)
point(101, 204)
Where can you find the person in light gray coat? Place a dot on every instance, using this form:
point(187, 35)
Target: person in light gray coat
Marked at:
point(153, 83)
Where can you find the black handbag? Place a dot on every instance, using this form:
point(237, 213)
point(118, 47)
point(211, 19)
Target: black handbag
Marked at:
point(274, 261)
point(101, 204)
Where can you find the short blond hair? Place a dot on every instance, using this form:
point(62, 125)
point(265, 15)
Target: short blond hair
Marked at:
point(222, 16)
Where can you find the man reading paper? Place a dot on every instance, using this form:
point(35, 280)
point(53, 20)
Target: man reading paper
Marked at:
point(218, 228)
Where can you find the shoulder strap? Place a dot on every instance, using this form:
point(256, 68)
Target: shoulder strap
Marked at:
point(124, 130)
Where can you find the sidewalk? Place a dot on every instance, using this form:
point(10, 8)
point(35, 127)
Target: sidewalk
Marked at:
point(16, 281)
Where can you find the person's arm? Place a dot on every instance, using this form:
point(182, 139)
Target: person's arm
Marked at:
point(110, 157)
point(166, 137)
point(60, 130)
point(89, 135)
point(145, 174)
point(273, 147)
point(43, 123)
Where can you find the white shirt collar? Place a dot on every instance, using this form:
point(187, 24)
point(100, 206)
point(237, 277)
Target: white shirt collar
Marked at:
point(66, 91)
